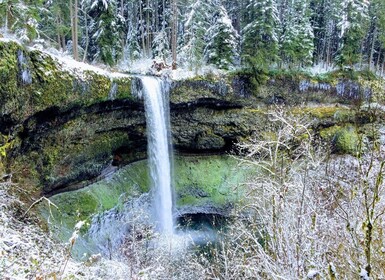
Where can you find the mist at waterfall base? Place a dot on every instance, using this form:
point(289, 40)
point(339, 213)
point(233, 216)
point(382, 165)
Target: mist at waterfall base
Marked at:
point(151, 215)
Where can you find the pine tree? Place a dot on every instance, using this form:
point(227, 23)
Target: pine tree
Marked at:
point(132, 49)
point(222, 41)
point(105, 29)
point(380, 21)
point(376, 36)
point(162, 21)
point(55, 22)
point(160, 45)
point(353, 27)
point(326, 14)
point(196, 23)
point(21, 17)
point(260, 36)
point(297, 43)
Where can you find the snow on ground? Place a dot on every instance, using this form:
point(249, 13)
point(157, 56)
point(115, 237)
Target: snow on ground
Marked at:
point(124, 68)
point(320, 68)
point(181, 73)
point(144, 67)
point(77, 67)
point(65, 60)
point(27, 252)
point(140, 66)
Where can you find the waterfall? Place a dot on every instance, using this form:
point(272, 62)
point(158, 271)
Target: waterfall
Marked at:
point(157, 118)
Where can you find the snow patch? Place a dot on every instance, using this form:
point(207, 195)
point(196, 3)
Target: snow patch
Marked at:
point(364, 274)
point(78, 68)
point(312, 274)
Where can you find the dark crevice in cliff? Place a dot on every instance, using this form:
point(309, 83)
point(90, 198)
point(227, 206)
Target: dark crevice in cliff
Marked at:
point(53, 119)
point(212, 103)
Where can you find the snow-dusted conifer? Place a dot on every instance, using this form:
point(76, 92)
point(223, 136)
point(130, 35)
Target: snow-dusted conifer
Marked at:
point(222, 41)
point(160, 45)
point(105, 31)
point(352, 28)
point(260, 35)
point(20, 18)
point(196, 24)
point(297, 44)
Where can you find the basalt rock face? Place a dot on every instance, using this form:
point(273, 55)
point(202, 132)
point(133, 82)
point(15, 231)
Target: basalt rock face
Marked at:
point(61, 130)
point(58, 126)
point(65, 148)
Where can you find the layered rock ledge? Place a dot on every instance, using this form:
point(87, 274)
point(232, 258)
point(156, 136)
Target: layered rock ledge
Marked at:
point(61, 129)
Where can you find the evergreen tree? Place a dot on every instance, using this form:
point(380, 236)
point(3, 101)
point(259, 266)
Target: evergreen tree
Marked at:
point(326, 14)
point(161, 46)
point(105, 29)
point(161, 43)
point(260, 36)
point(380, 21)
point(196, 24)
point(376, 36)
point(55, 23)
point(132, 48)
point(297, 43)
point(21, 17)
point(222, 41)
point(353, 27)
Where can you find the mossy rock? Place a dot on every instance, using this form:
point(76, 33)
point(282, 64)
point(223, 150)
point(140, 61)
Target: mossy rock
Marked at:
point(205, 183)
point(50, 85)
point(345, 140)
point(101, 196)
point(209, 141)
point(339, 114)
point(209, 180)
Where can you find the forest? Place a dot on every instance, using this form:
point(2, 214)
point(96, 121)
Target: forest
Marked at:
point(260, 34)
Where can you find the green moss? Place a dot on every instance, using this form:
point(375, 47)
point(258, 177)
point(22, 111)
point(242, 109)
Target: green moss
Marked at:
point(99, 87)
point(51, 85)
point(189, 200)
point(5, 145)
point(289, 74)
point(123, 88)
point(346, 141)
point(101, 196)
point(199, 181)
point(212, 180)
point(185, 93)
point(325, 112)
point(327, 134)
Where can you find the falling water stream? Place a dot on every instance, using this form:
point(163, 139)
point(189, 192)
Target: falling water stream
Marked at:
point(157, 118)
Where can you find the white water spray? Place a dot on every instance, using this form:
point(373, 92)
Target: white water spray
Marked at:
point(157, 117)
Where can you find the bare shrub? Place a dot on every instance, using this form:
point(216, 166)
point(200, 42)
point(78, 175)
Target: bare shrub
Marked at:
point(307, 215)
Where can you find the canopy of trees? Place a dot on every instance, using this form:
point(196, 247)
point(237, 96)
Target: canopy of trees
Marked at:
point(266, 33)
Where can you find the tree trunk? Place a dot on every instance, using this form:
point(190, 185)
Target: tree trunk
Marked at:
point(142, 28)
point(7, 17)
point(378, 60)
point(148, 29)
point(73, 15)
point(87, 35)
point(63, 42)
point(122, 15)
point(174, 25)
point(75, 42)
point(58, 41)
point(372, 47)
